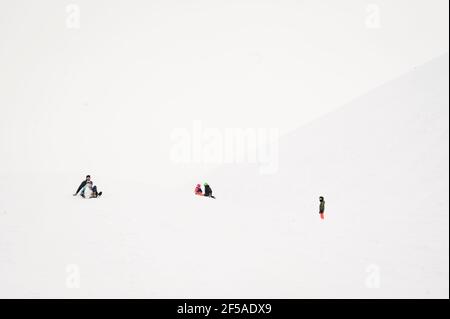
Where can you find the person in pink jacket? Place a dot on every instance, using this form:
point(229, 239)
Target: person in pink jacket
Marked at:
point(198, 190)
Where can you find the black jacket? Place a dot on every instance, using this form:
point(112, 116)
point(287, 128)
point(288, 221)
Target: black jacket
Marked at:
point(208, 190)
point(83, 183)
point(322, 206)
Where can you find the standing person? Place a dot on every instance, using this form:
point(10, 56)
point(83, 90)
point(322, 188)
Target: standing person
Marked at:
point(198, 190)
point(322, 207)
point(208, 191)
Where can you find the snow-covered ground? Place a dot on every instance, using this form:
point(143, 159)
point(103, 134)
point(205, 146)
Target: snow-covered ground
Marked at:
point(357, 90)
point(381, 162)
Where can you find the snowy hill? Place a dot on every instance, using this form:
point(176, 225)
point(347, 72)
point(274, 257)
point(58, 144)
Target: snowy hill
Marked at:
point(381, 162)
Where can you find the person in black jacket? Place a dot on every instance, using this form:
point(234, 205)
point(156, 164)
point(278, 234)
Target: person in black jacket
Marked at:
point(208, 191)
point(87, 183)
point(321, 207)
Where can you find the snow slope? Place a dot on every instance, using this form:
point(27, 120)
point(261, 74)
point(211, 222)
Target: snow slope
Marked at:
point(381, 162)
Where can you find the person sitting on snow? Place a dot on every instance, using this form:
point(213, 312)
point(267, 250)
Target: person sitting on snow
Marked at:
point(90, 191)
point(208, 191)
point(198, 190)
point(87, 185)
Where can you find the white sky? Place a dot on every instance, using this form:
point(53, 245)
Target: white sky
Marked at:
point(135, 70)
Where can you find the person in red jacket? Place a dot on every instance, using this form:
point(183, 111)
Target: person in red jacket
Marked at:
point(198, 190)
